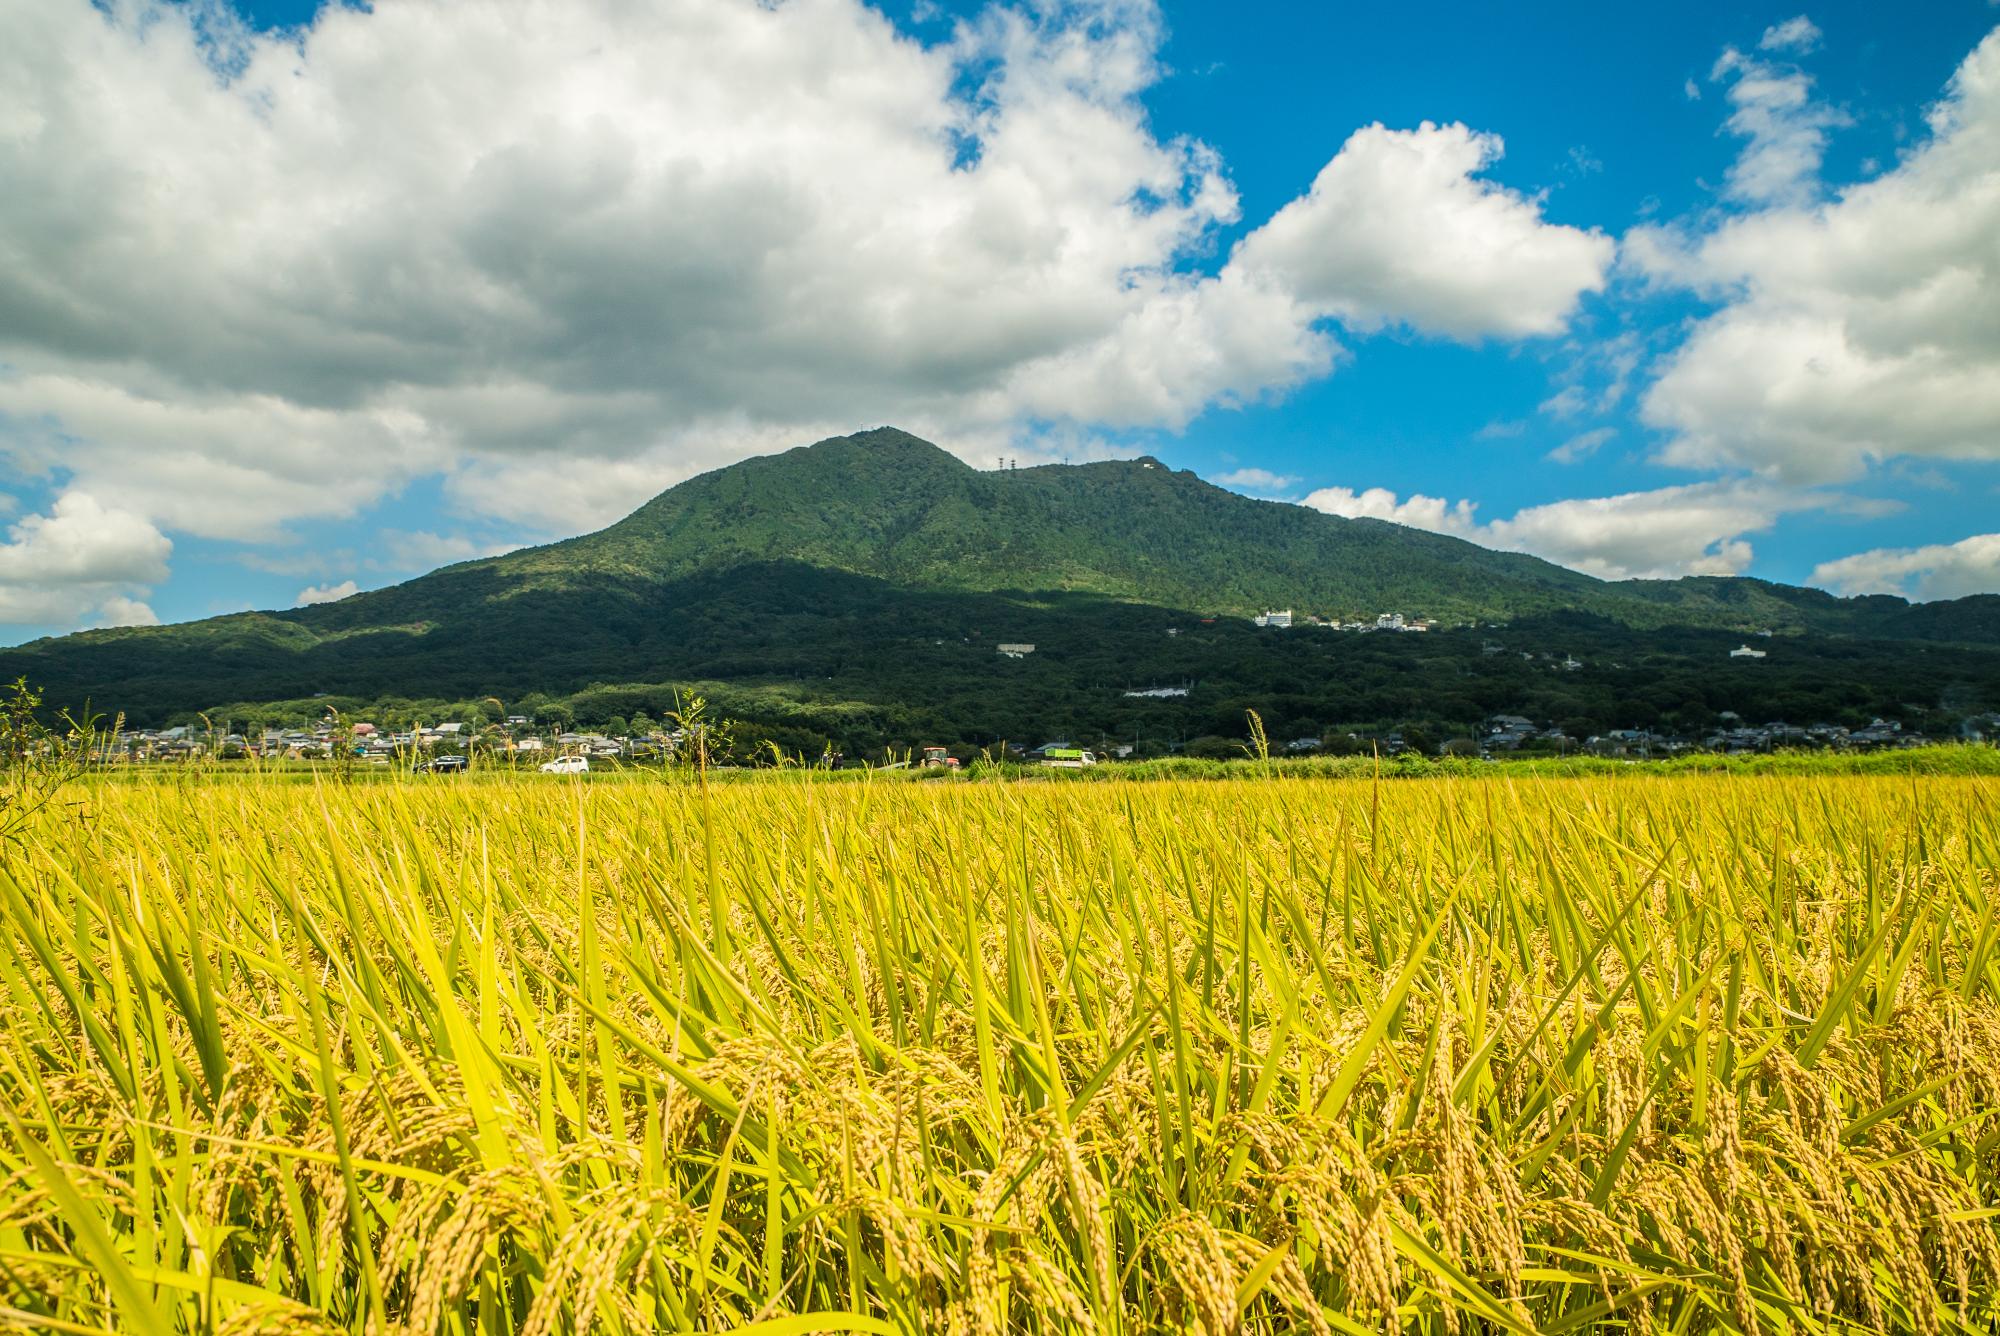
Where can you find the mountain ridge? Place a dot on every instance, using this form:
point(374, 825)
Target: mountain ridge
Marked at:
point(848, 541)
point(950, 526)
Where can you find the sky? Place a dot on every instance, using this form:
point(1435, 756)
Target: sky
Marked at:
point(299, 299)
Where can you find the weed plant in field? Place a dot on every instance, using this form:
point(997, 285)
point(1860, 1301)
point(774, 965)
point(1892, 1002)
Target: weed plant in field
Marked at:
point(1669, 1054)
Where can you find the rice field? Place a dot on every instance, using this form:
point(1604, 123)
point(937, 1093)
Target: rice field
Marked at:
point(525, 1055)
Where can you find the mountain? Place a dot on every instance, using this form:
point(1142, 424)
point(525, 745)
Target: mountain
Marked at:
point(853, 559)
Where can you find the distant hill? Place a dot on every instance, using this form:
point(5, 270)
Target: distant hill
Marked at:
point(888, 505)
point(803, 565)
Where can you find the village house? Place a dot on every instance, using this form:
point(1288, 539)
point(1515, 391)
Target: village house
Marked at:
point(1506, 732)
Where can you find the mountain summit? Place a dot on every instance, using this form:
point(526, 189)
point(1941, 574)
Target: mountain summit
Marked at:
point(797, 564)
point(894, 507)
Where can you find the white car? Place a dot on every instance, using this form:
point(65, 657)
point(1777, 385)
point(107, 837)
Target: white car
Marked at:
point(567, 765)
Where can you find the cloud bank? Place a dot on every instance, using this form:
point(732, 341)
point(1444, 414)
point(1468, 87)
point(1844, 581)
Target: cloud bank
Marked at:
point(1941, 570)
point(1853, 331)
point(562, 253)
point(330, 593)
point(1697, 529)
point(82, 563)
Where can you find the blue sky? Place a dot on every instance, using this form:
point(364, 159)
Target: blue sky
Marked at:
point(275, 399)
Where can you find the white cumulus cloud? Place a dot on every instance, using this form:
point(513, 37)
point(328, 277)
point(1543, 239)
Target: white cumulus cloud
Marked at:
point(1852, 331)
point(1941, 570)
point(1773, 109)
point(1696, 529)
point(1257, 480)
point(1399, 229)
point(331, 593)
point(1799, 34)
point(81, 563)
point(563, 253)
point(423, 550)
point(119, 610)
point(1785, 129)
point(1379, 503)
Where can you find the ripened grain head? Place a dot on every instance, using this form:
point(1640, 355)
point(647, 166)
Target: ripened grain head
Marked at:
point(1667, 1054)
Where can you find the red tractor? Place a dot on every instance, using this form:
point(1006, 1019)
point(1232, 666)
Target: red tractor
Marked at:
point(937, 758)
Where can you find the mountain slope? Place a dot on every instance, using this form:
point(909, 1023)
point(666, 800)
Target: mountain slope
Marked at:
point(887, 505)
point(864, 537)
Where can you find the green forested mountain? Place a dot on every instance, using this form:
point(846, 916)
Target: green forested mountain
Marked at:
point(877, 567)
point(887, 505)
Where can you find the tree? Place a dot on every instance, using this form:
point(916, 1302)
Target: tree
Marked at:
point(340, 741)
point(36, 762)
point(704, 737)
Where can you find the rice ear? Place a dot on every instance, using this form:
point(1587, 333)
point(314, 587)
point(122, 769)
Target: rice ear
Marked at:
point(1673, 1053)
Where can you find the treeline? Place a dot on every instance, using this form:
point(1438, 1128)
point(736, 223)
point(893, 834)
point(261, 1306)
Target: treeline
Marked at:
point(1961, 759)
point(928, 688)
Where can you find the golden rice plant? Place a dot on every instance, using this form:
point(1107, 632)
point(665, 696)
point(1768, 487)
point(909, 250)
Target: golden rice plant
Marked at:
point(1279, 1055)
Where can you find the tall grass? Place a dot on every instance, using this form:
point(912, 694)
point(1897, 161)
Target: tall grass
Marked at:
point(1690, 1054)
